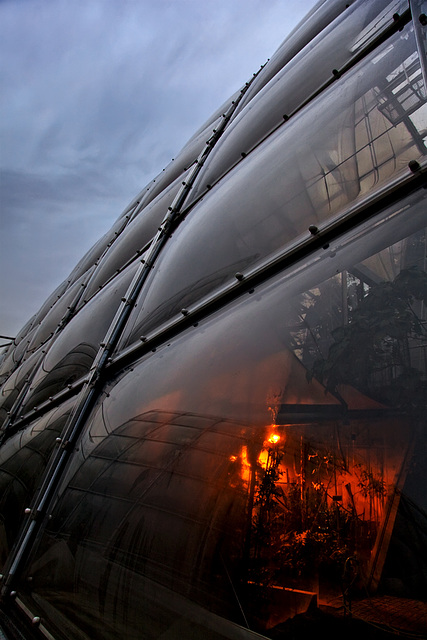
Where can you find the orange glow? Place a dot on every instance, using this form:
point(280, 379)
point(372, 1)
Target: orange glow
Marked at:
point(233, 458)
point(274, 438)
point(262, 458)
point(246, 467)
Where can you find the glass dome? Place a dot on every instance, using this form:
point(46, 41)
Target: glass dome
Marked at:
point(216, 427)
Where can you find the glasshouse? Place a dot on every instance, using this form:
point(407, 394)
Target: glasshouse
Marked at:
point(216, 426)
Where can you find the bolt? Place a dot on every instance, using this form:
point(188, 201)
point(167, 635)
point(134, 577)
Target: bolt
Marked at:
point(414, 166)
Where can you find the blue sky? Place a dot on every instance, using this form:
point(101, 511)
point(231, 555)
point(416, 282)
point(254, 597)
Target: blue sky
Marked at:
point(96, 97)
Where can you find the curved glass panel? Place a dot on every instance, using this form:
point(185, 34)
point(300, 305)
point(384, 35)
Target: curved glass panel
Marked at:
point(418, 11)
point(21, 350)
point(27, 338)
point(186, 157)
point(321, 16)
point(213, 120)
point(251, 463)
point(13, 385)
point(55, 315)
point(135, 237)
point(9, 358)
point(52, 299)
point(344, 146)
point(25, 329)
point(75, 348)
point(197, 143)
point(335, 46)
point(8, 364)
point(98, 249)
point(23, 459)
point(169, 175)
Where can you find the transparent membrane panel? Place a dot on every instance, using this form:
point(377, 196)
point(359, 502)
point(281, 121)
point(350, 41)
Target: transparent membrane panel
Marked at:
point(45, 323)
point(58, 313)
point(335, 46)
point(135, 237)
point(72, 353)
point(17, 351)
point(344, 147)
point(311, 26)
point(8, 357)
point(92, 256)
point(419, 12)
point(23, 461)
point(10, 361)
point(16, 356)
point(51, 300)
point(212, 121)
point(268, 457)
point(178, 166)
point(14, 384)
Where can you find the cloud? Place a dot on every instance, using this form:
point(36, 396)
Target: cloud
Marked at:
point(96, 98)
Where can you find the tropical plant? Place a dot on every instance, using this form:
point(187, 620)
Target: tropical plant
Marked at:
point(374, 351)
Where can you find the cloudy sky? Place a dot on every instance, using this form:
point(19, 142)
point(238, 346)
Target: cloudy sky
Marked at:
point(96, 97)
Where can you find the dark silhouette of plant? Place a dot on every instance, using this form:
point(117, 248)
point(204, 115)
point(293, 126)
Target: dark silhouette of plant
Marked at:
point(375, 351)
point(298, 528)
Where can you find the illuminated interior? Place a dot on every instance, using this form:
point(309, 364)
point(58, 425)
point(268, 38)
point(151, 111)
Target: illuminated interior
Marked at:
point(223, 431)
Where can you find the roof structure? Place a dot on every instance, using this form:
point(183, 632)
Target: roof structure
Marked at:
point(217, 421)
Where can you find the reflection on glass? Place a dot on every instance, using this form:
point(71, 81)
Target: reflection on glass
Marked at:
point(343, 148)
point(265, 460)
point(303, 75)
point(270, 456)
point(23, 460)
point(71, 355)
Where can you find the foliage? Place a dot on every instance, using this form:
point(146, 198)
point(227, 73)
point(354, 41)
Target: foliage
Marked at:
point(371, 485)
point(373, 351)
point(296, 529)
